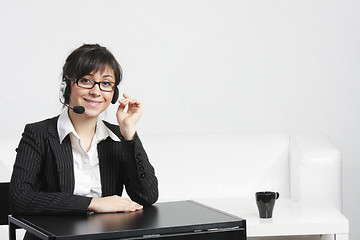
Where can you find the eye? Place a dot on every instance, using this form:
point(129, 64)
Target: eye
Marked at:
point(106, 83)
point(85, 81)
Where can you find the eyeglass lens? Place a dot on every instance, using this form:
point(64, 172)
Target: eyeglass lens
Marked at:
point(88, 83)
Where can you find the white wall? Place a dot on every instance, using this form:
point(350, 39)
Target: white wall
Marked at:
point(199, 66)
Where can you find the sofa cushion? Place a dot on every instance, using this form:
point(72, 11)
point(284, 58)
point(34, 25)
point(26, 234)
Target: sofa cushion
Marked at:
point(219, 165)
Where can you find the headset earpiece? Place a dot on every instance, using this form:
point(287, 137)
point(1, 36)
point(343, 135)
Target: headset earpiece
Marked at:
point(62, 87)
point(116, 95)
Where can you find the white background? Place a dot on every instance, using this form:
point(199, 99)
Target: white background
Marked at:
point(199, 66)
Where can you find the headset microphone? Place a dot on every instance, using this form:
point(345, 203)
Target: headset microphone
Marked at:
point(76, 109)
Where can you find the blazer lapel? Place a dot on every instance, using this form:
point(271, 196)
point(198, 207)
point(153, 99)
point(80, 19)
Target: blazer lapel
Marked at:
point(63, 158)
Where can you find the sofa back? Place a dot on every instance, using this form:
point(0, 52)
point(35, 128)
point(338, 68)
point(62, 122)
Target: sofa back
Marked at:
point(193, 166)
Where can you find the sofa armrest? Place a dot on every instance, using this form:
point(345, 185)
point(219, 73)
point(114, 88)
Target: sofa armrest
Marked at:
point(315, 170)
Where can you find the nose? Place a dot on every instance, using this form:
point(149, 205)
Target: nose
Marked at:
point(95, 90)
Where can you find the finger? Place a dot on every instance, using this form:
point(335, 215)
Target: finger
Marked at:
point(136, 206)
point(124, 100)
point(128, 201)
point(132, 101)
point(135, 103)
point(139, 207)
point(123, 103)
point(121, 106)
point(127, 96)
point(124, 204)
point(132, 206)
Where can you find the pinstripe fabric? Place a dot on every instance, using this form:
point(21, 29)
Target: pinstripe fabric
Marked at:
point(42, 181)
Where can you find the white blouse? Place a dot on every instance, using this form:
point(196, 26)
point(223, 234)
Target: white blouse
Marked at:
point(86, 164)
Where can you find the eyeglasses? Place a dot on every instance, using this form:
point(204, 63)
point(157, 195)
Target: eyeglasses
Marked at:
point(105, 86)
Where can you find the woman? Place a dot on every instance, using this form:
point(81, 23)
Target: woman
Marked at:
point(76, 163)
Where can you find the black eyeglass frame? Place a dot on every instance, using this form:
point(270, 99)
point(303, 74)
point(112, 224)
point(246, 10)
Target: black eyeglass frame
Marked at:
point(76, 80)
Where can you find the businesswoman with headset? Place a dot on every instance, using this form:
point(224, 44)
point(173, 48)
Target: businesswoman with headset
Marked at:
point(76, 163)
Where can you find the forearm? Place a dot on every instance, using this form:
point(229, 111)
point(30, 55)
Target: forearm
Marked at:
point(140, 180)
point(24, 200)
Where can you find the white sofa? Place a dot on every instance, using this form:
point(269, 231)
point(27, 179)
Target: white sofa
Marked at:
point(303, 167)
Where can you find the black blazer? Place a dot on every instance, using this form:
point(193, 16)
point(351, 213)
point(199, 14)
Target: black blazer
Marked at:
point(42, 181)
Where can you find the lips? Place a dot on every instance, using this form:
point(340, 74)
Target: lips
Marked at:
point(92, 102)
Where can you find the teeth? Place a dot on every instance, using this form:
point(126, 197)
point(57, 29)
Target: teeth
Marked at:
point(92, 102)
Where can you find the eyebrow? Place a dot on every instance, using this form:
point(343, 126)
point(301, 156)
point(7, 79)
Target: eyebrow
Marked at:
point(108, 75)
point(104, 76)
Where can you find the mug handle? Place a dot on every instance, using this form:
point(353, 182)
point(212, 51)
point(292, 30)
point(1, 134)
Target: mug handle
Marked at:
point(277, 195)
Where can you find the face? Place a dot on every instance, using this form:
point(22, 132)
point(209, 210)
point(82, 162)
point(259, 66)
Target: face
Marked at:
point(93, 100)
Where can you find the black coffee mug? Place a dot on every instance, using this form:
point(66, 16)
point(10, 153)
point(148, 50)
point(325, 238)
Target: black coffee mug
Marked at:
point(265, 202)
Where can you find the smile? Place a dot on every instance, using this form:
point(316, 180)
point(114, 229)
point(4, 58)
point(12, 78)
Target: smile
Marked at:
point(92, 103)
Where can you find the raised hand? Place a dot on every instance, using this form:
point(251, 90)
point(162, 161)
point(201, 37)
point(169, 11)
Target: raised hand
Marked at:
point(128, 119)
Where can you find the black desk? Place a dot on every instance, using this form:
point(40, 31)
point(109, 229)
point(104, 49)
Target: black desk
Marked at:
point(182, 220)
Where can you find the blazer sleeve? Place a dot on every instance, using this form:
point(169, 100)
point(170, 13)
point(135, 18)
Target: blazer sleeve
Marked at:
point(26, 195)
point(140, 181)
